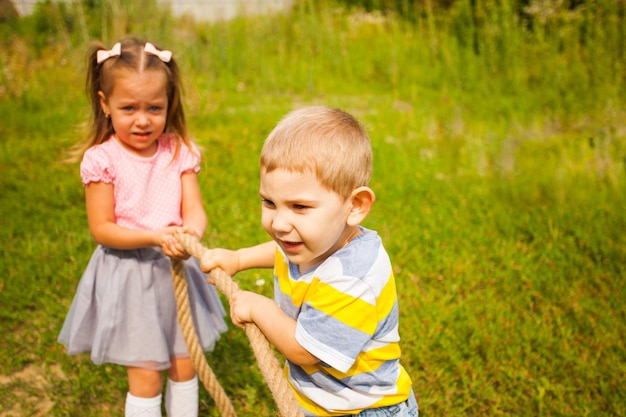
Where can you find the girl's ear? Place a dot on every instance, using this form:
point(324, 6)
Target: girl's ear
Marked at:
point(362, 201)
point(103, 103)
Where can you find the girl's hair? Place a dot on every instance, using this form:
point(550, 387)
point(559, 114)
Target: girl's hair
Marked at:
point(328, 142)
point(101, 77)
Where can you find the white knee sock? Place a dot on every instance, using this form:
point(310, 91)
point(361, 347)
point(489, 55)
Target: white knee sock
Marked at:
point(143, 407)
point(181, 398)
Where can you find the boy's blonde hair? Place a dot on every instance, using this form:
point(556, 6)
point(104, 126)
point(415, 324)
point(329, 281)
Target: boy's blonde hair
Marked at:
point(329, 142)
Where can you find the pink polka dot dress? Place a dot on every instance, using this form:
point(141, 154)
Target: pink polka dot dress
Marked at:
point(124, 310)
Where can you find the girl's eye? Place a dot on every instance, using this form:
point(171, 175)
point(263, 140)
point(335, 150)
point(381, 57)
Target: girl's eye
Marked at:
point(155, 109)
point(128, 108)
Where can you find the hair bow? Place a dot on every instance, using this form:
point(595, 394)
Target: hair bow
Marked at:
point(103, 55)
point(164, 55)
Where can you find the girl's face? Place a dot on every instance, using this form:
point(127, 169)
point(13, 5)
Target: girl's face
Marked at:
point(308, 221)
point(137, 106)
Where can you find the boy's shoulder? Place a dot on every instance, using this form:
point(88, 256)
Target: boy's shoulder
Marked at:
point(364, 253)
point(367, 240)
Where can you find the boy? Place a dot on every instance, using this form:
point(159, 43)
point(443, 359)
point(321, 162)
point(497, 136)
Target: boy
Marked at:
point(335, 313)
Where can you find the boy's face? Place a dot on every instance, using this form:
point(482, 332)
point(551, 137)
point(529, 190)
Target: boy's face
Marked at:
point(308, 221)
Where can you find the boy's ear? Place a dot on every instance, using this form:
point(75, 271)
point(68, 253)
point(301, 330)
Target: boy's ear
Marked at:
point(362, 201)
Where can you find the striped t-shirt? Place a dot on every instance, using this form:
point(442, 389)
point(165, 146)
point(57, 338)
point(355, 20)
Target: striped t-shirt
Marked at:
point(347, 316)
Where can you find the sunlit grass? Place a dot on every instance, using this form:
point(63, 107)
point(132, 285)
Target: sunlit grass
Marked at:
point(499, 177)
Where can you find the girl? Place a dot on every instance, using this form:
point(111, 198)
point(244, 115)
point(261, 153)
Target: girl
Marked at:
point(139, 170)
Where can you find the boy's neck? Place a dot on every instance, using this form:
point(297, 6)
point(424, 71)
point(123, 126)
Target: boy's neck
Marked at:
point(353, 232)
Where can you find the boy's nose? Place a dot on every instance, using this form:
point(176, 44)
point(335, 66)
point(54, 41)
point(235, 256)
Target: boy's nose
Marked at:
point(281, 223)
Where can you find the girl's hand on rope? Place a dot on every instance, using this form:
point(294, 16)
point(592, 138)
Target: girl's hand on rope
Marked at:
point(171, 247)
point(226, 259)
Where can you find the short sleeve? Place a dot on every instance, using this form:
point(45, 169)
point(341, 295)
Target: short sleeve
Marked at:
point(189, 158)
point(96, 166)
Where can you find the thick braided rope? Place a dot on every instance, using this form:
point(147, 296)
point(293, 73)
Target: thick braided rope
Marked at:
point(268, 362)
point(205, 373)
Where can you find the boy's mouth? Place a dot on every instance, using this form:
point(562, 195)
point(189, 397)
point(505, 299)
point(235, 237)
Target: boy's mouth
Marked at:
point(290, 246)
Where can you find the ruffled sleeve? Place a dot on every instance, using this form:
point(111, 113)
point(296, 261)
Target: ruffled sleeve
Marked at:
point(189, 158)
point(96, 166)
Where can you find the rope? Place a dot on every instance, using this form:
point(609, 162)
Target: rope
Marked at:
point(205, 373)
point(268, 362)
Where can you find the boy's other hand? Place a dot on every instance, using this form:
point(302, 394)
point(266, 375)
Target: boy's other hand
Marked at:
point(226, 259)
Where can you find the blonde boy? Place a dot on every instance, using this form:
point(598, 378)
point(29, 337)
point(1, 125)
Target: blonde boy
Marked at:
point(335, 312)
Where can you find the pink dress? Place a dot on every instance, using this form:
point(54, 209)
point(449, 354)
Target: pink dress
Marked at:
point(124, 310)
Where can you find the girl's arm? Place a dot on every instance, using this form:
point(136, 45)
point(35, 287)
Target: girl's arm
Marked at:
point(259, 256)
point(192, 213)
point(194, 216)
point(278, 327)
point(101, 220)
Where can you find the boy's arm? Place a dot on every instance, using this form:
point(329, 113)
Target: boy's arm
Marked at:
point(278, 327)
point(259, 256)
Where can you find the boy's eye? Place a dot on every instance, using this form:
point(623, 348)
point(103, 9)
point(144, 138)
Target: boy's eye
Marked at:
point(300, 207)
point(267, 203)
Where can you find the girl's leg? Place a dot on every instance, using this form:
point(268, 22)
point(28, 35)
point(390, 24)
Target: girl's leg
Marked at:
point(144, 383)
point(181, 394)
point(144, 392)
point(142, 407)
point(181, 370)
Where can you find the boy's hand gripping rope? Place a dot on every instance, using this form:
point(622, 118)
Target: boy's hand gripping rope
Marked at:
point(268, 363)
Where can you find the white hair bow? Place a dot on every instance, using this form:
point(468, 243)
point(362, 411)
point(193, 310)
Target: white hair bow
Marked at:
point(164, 55)
point(103, 55)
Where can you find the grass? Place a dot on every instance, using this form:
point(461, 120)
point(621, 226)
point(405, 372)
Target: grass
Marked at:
point(499, 176)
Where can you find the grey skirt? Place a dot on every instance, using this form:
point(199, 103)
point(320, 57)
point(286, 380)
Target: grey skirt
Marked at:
point(124, 310)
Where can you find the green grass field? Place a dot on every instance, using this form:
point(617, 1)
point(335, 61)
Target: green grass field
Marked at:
point(500, 158)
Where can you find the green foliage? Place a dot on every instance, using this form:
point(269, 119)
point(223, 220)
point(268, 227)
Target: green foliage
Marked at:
point(499, 142)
